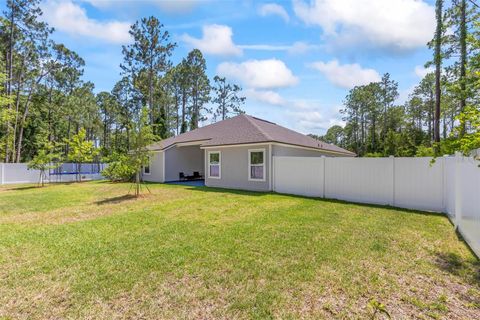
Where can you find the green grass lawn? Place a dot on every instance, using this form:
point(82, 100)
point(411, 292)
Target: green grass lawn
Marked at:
point(88, 251)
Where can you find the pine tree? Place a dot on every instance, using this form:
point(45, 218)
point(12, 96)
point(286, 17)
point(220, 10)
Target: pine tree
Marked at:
point(226, 98)
point(147, 59)
point(199, 87)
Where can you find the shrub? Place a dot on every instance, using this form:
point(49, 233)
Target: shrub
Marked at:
point(423, 151)
point(119, 168)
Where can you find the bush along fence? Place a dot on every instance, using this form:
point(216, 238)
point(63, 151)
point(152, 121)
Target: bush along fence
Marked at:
point(451, 185)
point(11, 173)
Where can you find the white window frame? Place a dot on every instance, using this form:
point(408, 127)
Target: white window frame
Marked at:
point(149, 168)
point(219, 165)
point(250, 164)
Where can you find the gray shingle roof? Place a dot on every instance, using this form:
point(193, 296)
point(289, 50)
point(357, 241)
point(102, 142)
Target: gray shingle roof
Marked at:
point(244, 129)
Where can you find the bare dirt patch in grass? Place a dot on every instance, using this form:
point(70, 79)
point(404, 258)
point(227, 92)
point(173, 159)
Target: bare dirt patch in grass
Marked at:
point(184, 297)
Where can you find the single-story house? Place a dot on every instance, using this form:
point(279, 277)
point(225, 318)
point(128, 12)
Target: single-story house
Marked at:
point(234, 153)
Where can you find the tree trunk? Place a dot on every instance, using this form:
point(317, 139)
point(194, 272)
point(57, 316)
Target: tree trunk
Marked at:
point(373, 134)
point(9, 66)
point(177, 117)
point(24, 118)
point(67, 146)
point(105, 122)
point(17, 108)
point(430, 118)
point(183, 128)
point(438, 65)
point(128, 138)
point(444, 125)
point(137, 184)
point(49, 116)
point(223, 102)
point(463, 59)
point(79, 171)
point(150, 94)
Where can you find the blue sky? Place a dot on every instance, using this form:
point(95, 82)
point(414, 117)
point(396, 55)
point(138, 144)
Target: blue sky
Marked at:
point(296, 60)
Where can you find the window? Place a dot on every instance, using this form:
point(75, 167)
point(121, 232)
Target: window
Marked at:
point(214, 165)
point(256, 165)
point(146, 169)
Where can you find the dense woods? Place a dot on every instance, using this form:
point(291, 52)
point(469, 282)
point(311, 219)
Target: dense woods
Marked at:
point(46, 103)
point(441, 116)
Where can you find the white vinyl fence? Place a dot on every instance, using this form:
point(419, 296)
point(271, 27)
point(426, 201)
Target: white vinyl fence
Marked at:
point(451, 185)
point(11, 173)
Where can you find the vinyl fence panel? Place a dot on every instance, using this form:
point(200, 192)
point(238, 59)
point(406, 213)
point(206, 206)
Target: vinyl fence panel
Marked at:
point(449, 186)
point(367, 180)
point(419, 184)
point(18, 173)
point(302, 176)
point(13, 173)
point(468, 206)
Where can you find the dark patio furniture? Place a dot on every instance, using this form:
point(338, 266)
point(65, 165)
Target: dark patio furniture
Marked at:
point(196, 175)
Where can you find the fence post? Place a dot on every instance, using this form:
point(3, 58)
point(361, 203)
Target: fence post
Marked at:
point(272, 171)
point(458, 194)
point(444, 184)
point(2, 170)
point(393, 179)
point(324, 162)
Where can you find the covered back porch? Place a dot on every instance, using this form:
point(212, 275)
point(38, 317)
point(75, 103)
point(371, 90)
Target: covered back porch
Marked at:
point(185, 162)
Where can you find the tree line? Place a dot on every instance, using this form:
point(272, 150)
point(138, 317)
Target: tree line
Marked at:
point(441, 115)
point(45, 100)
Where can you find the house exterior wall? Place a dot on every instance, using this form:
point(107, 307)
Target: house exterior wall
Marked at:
point(183, 159)
point(235, 171)
point(234, 164)
point(156, 168)
point(284, 151)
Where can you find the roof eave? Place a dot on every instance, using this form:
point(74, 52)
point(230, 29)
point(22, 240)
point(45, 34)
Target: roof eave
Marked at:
point(347, 153)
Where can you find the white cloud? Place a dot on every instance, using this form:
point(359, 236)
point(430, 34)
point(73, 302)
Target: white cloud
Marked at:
point(395, 24)
point(298, 47)
point(421, 71)
point(259, 74)
point(346, 75)
point(70, 18)
point(216, 39)
point(310, 116)
point(100, 3)
point(266, 96)
point(273, 9)
point(313, 121)
point(265, 47)
point(170, 6)
point(178, 6)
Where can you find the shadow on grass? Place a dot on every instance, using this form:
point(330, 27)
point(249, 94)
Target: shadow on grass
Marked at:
point(39, 187)
point(469, 269)
point(336, 201)
point(24, 188)
point(114, 200)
